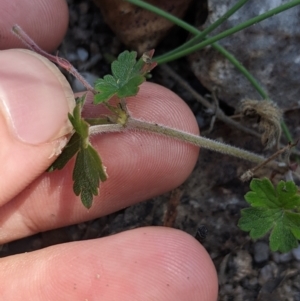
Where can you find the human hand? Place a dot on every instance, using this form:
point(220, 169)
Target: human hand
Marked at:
point(150, 263)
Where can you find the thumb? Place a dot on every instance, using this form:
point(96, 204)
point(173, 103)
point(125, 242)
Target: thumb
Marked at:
point(35, 99)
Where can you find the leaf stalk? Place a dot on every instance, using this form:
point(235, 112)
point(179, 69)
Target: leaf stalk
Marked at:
point(63, 63)
point(206, 143)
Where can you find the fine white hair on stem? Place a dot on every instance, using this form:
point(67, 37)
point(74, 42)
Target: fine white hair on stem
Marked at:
point(135, 124)
point(105, 128)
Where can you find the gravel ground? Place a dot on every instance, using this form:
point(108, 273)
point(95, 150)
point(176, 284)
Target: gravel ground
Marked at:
point(207, 205)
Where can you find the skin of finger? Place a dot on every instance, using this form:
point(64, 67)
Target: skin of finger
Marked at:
point(140, 166)
point(45, 21)
point(27, 78)
point(142, 264)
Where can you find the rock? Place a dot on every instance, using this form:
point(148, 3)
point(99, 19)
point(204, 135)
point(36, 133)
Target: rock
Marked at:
point(296, 253)
point(269, 50)
point(261, 252)
point(267, 272)
point(137, 28)
point(82, 54)
point(243, 265)
point(77, 86)
point(281, 258)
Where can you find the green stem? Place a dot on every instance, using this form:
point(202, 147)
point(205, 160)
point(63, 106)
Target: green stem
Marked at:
point(242, 69)
point(229, 32)
point(201, 35)
point(105, 128)
point(97, 121)
point(181, 50)
point(286, 132)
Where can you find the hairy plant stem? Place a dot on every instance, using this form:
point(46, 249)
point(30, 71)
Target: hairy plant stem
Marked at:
point(219, 113)
point(136, 124)
point(105, 128)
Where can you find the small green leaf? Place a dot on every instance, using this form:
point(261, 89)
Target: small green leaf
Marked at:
point(124, 65)
point(127, 76)
point(282, 238)
point(274, 210)
point(287, 195)
point(88, 170)
point(258, 220)
point(87, 174)
point(262, 194)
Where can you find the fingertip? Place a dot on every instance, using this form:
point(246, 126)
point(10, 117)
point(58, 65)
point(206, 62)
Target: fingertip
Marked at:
point(140, 166)
point(151, 263)
point(35, 99)
point(45, 21)
point(180, 260)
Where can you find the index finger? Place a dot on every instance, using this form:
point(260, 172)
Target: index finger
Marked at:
point(140, 166)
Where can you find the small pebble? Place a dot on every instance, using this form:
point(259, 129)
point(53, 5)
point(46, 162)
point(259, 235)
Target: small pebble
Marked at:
point(296, 283)
point(72, 56)
point(281, 258)
point(296, 253)
point(90, 78)
point(83, 7)
point(261, 252)
point(82, 54)
point(266, 273)
point(243, 265)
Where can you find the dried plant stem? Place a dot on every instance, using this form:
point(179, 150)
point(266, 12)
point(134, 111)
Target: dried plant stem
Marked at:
point(284, 167)
point(273, 157)
point(63, 63)
point(219, 113)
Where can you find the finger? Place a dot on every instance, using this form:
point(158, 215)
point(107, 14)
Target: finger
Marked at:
point(140, 165)
point(32, 120)
point(143, 264)
point(45, 21)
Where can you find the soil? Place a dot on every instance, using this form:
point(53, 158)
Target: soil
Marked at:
point(206, 206)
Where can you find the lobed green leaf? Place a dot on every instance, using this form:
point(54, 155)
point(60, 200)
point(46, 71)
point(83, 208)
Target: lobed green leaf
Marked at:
point(262, 194)
point(287, 195)
point(258, 220)
point(87, 174)
point(274, 210)
point(127, 75)
point(88, 170)
point(282, 238)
